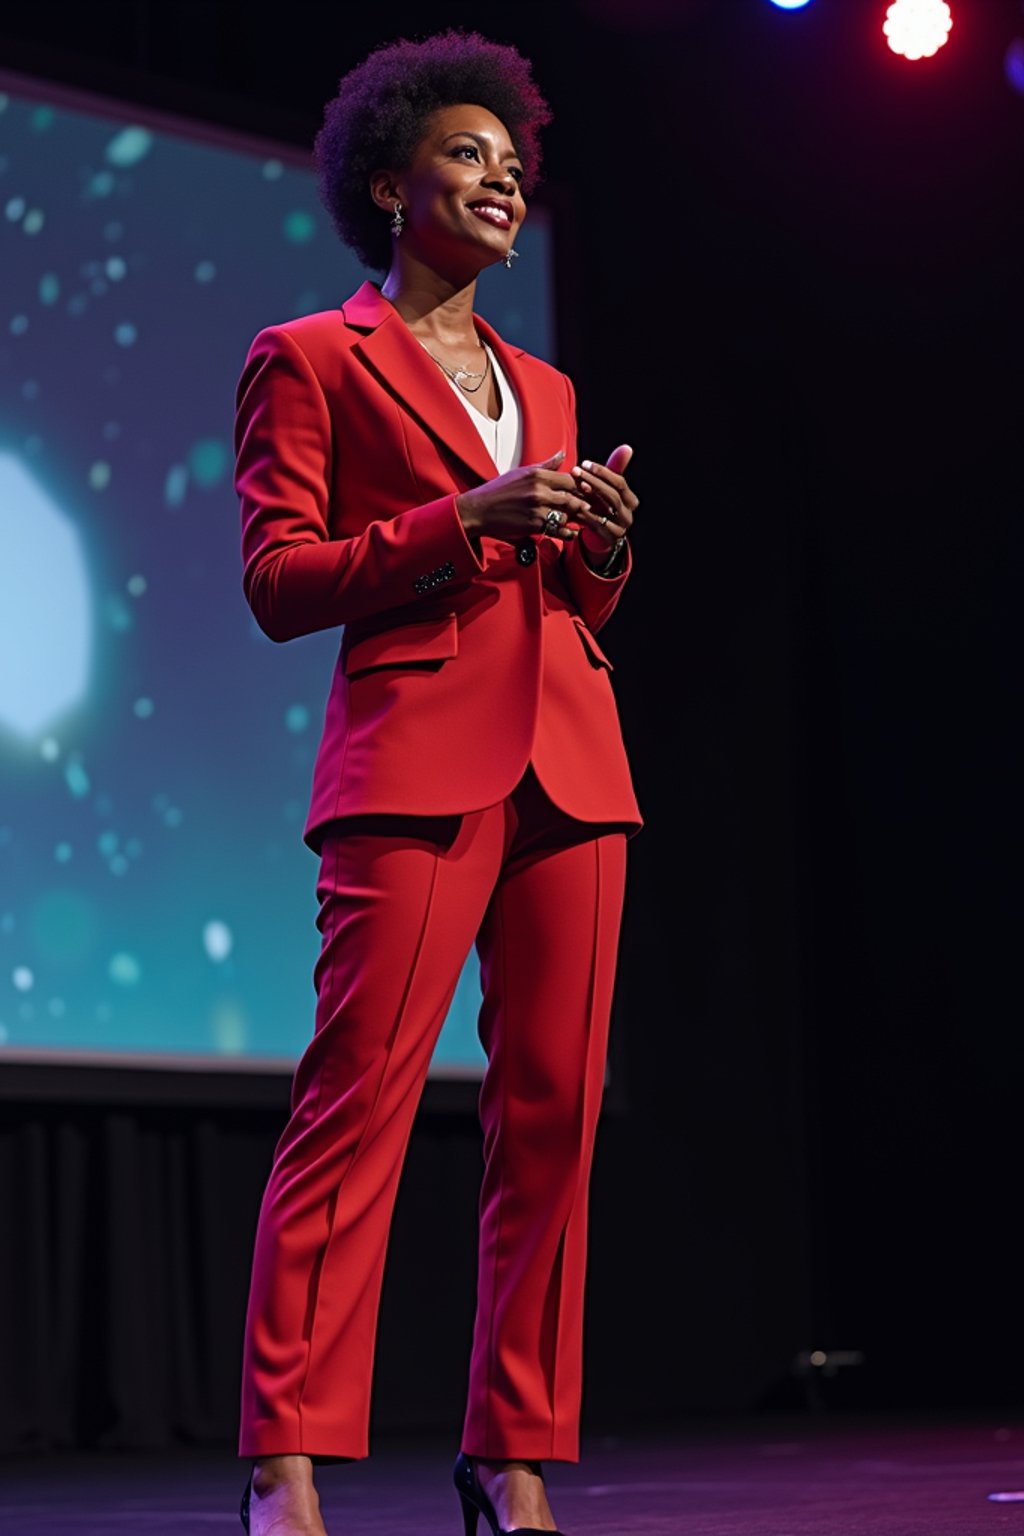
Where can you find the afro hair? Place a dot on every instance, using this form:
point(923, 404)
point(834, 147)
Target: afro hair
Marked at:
point(380, 113)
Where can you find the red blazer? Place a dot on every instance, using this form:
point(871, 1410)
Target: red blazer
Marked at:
point(460, 662)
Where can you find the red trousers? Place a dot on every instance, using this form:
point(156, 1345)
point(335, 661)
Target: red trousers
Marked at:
point(402, 900)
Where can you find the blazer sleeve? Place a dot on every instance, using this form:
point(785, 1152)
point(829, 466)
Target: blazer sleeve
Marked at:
point(595, 596)
point(296, 577)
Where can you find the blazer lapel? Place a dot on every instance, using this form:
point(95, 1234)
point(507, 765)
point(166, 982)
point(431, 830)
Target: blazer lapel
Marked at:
point(391, 351)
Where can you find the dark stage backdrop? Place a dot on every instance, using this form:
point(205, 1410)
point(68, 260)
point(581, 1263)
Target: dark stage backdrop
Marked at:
point(789, 274)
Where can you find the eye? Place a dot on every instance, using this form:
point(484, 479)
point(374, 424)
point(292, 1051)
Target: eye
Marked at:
point(466, 149)
point(516, 173)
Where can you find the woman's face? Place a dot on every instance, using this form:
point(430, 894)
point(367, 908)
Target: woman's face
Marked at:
point(462, 195)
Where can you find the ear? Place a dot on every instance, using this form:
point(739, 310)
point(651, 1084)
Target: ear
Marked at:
point(385, 190)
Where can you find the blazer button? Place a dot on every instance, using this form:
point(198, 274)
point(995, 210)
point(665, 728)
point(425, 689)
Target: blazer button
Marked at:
point(526, 554)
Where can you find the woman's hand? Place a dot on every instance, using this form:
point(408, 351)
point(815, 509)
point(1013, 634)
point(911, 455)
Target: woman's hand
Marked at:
point(519, 502)
point(610, 502)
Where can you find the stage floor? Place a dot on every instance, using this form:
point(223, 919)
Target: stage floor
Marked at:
point(794, 1478)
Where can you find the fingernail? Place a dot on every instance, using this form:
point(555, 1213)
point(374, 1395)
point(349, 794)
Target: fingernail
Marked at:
point(587, 464)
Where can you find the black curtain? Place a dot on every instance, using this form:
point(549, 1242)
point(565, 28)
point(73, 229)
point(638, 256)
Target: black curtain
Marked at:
point(124, 1271)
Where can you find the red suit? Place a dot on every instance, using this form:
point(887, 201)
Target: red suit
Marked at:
point(471, 784)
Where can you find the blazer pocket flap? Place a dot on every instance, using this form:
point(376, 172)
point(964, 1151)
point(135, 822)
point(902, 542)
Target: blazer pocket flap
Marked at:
point(405, 644)
point(590, 645)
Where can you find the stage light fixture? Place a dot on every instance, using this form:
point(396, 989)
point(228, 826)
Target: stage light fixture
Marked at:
point(917, 29)
point(791, 5)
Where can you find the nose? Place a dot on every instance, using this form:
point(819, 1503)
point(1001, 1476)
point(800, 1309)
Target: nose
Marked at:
point(501, 176)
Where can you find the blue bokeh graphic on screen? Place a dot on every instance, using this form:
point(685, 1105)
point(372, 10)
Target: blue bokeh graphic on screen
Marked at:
point(155, 748)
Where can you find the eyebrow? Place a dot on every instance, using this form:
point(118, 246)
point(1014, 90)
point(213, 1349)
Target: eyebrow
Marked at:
point(479, 140)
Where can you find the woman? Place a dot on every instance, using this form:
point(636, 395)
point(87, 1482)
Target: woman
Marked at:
point(405, 473)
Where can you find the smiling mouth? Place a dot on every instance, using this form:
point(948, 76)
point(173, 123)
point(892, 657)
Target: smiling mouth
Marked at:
point(493, 213)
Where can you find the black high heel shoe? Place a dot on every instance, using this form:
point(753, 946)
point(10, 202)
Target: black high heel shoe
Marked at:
point(475, 1502)
point(243, 1510)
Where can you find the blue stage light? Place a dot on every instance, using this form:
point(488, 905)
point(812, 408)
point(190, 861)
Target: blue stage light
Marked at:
point(791, 5)
point(1015, 64)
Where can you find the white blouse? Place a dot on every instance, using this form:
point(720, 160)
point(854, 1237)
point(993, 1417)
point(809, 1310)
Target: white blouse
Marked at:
point(503, 438)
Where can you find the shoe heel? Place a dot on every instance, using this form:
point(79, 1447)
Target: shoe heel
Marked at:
point(470, 1514)
point(243, 1508)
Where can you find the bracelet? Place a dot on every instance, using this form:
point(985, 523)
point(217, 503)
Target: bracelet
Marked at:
point(613, 558)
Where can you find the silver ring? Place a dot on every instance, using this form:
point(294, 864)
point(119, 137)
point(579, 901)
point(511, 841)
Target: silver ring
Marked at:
point(603, 519)
point(553, 520)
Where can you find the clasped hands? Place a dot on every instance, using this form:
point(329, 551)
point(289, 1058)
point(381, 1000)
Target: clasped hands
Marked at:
point(596, 497)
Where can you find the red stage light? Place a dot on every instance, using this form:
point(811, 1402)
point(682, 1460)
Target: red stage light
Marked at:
point(917, 28)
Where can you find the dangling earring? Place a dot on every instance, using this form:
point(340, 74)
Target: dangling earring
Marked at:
point(397, 223)
point(510, 256)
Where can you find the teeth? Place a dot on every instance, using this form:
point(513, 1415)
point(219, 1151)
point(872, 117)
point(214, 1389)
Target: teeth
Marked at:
point(499, 213)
